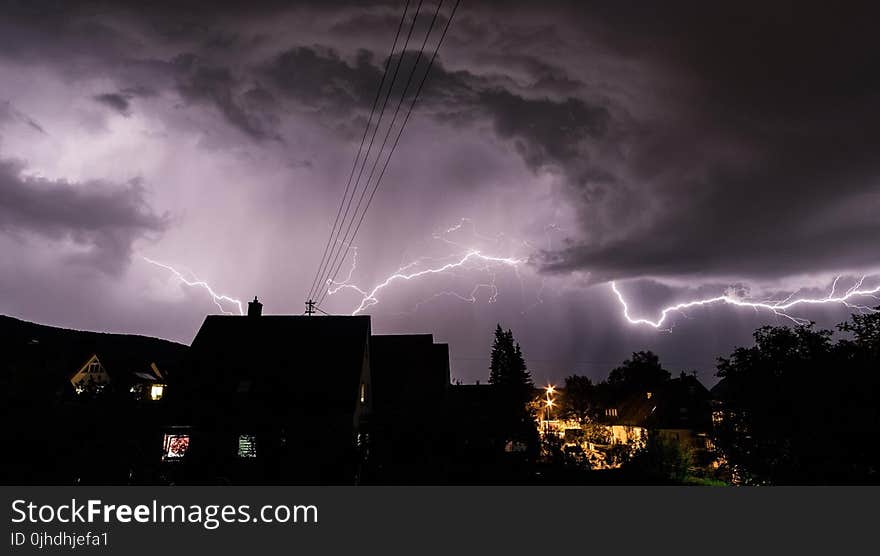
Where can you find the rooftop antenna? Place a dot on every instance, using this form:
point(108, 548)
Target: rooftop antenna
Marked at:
point(310, 307)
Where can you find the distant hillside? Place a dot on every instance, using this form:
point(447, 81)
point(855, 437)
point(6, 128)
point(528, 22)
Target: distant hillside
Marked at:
point(39, 360)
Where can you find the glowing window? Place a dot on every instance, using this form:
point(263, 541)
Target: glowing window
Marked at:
point(156, 391)
point(247, 446)
point(611, 412)
point(175, 446)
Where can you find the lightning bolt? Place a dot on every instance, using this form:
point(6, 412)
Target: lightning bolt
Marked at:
point(369, 298)
point(778, 308)
point(476, 260)
point(218, 299)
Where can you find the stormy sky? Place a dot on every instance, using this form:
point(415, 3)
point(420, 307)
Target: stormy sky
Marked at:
point(680, 149)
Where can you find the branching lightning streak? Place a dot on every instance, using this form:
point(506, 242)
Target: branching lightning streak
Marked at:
point(370, 299)
point(778, 308)
point(475, 260)
point(215, 297)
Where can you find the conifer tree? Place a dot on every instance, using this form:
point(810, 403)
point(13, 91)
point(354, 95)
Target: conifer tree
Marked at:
point(510, 377)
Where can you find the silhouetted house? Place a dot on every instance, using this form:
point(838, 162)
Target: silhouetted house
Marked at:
point(482, 449)
point(628, 416)
point(407, 428)
point(680, 410)
point(91, 377)
point(125, 373)
point(277, 399)
point(149, 385)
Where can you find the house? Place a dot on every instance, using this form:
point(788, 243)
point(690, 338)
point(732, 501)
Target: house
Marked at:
point(144, 382)
point(678, 410)
point(407, 428)
point(482, 448)
point(149, 385)
point(275, 399)
point(684, 415)
point(91, 376)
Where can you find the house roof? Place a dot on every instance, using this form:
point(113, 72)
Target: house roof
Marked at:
point(407, 369)
point(681, 402)
point(312, 361)
point(634, 409)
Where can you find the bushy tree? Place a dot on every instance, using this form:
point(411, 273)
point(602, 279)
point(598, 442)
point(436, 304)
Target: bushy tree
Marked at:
point(578, 399)
point(660, 459)
point(798, 408)
point(642, 371)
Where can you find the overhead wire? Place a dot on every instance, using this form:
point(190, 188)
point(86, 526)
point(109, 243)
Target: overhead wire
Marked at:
point(334, 231)
point(340, 246)
point(415, 98)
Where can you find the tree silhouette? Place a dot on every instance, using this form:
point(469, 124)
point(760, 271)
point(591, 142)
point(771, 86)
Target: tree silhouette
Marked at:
point(797, 408)
point(511, 379)
point(508, 367)
point(578, 399)
point(641, 372)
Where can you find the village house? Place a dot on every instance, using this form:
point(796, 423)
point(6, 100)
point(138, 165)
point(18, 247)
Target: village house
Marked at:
point(679, 411)
point(144, 381)
point(305, 399)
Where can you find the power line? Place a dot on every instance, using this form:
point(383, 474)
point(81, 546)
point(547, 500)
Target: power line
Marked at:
point(337, 250)
point(402, 126)
point(334, 231)
point(340, 252)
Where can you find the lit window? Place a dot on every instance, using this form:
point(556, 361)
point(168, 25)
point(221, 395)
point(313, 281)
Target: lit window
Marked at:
point(175, 446)
point(363, 395)
point(648, 394)
point(156, 392)
point(247, 446)
point(611, 412)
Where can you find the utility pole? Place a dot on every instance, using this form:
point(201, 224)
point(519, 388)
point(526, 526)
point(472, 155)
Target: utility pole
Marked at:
point(310, 307)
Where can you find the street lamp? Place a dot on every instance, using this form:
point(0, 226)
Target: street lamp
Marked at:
point(549, 405)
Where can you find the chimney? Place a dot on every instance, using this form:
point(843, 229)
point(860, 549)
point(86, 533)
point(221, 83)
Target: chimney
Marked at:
point(255, 308)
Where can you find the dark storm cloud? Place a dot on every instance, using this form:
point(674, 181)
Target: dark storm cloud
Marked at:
point(104, 218)
point(546, 131)
point(753, 123)
point(320, 78)
point(245, 110)
point(758, 166)
point(116, 101)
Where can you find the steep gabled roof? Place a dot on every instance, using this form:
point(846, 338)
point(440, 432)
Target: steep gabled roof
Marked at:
point(314, 360)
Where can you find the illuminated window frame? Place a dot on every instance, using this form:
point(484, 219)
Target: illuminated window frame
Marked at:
point(250, 443)
point(175, 446)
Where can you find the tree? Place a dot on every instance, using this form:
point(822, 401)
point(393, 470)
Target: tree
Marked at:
point(797, 409)
point(511, 379)
point(641, 372)
point(577, 399)
point(508, 367)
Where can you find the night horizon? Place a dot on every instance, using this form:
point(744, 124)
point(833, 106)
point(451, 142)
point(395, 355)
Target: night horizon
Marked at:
point(552, 154)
